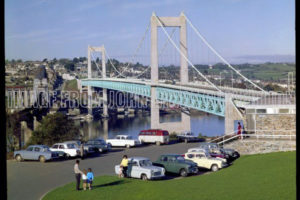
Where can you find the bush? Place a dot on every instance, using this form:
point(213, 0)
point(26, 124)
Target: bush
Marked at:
point(173, 136)
point(54, 128)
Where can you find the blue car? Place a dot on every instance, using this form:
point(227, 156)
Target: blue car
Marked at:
point(36, 152)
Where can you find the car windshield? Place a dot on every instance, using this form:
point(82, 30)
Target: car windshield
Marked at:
point(145, 163)
point(179, 158)
point(46, 149)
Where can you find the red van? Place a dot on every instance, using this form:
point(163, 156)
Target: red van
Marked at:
point(157, 136)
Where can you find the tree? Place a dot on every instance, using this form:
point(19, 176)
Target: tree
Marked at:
point(45, 60)
point(54, 128)
point(70, 66)
point(75, 60)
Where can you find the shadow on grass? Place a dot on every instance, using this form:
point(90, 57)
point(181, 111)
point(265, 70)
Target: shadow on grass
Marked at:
point(110, 184)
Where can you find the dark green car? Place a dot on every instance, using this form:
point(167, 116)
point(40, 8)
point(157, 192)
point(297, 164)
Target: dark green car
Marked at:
point(174, 163)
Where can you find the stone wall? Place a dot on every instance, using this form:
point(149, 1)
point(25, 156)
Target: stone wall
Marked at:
point(284, 124)
point(253, 146)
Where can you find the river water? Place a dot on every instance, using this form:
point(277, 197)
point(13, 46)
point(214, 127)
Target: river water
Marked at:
point(206, 124)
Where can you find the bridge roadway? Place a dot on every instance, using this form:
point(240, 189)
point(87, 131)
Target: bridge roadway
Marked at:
point(242, 95)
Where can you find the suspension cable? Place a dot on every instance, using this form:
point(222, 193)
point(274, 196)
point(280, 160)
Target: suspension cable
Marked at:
point(225, 61)
point(96, 63)
point(138, 48)
point(186, 57)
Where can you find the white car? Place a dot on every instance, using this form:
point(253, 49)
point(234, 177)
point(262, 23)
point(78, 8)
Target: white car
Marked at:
point(206, 151)
point(140, 167)
point(70, 149)
point(204, 160)
point(123, 141)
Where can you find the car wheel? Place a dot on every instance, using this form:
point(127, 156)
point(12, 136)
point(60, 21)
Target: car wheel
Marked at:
point(236, 155)
point(214, 168)
point(19, 158)
point(42, 159)
point(67, 156)
point(158, 143)
point(183, 173)
point(127, 146)
point(144, 177)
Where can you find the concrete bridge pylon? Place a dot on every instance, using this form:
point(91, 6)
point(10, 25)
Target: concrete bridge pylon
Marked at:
point(180, 22)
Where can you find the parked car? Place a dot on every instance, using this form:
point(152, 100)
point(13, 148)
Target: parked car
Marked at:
point(214, 148)
point(174, 163)
point(87, 148)
point(213, 152)
point(140, 167)
point(123, 141)
point(187, 136)
point(156, 136)
point(35, 152)
point(207, 151)
point(99, 145)
point(70, 149)
point(204, 160)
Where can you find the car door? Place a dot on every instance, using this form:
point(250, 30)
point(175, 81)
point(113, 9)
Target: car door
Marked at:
point(36, 153)
point(133, 169)
point(118, 141)
point(61, 147)
point(164, 162)
point(172, 164)
point(202, 160)
point(27, 153)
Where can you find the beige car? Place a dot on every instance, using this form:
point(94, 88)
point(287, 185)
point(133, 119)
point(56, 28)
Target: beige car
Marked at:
point(204, 160)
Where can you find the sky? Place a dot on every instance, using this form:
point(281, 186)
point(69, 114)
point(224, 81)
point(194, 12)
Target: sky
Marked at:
point(240, 30)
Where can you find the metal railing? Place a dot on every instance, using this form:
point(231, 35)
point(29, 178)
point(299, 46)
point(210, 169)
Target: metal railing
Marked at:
point(257, 136)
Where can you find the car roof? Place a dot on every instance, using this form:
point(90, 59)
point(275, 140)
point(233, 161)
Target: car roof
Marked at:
point(59, 143)
point(138, 158)
point(170, 154)
point(123, 135)
point(207, 143)
point(38, 145)
point(95, 139)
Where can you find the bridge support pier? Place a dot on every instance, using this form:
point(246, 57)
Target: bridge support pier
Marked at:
point(231, 114)
point(105, 103)
point(178, 127)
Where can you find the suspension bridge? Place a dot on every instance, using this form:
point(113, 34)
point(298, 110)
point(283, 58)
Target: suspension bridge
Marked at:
point(210, 98)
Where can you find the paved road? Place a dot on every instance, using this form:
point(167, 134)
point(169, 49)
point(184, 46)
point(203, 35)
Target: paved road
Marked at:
point(31, 179)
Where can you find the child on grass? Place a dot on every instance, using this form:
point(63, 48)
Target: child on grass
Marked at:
point(90, 178)
point(84, 179)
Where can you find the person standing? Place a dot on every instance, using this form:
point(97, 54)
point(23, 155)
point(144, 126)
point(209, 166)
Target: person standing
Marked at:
point(77, 174)
point(81, 151)
point(124, 164)
point(90, 178)
point(239, 129)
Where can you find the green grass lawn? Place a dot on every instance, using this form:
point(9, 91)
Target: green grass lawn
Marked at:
point(266, 176)
point(71, 85)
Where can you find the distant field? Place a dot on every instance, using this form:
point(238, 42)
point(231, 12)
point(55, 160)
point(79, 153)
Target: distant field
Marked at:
point(265, 176)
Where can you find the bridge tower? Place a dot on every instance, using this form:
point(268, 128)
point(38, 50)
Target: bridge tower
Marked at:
point(179, 22)
point(100, 49)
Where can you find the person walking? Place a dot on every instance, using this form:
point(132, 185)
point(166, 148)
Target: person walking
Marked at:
point(78, 174)
point(124, 165)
